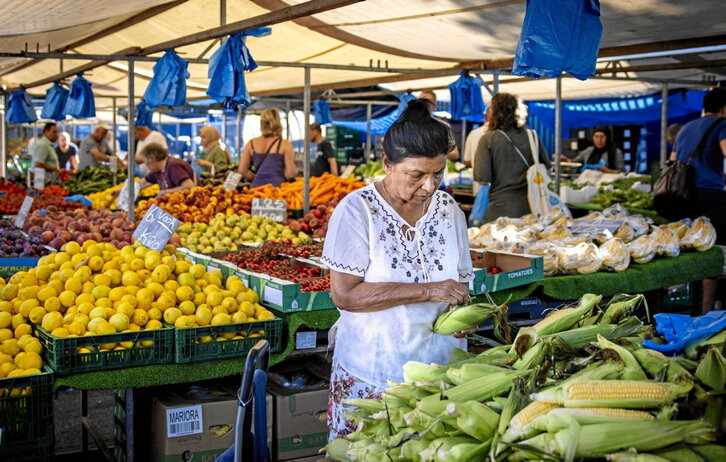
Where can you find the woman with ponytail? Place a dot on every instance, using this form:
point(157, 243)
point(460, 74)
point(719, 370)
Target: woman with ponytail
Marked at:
point(399, 257)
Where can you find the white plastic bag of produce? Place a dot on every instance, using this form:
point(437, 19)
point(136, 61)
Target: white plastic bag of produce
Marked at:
point(642, 250)
point(666, 241)
point(581, 259)
point(701, 236)
point(615, 255)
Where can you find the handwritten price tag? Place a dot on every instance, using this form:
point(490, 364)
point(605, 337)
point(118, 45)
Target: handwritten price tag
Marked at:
point(156, 229)
point(232, 180)
point(270, 208)
point(38, 178)
point(122, 201)
point(23, 212)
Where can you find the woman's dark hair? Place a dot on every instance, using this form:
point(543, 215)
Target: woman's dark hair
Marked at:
point(714, 100)
point(417, 133)
point(503, 112)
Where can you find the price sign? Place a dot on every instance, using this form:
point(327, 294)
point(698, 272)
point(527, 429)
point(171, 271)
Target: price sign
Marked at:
point(122, 201)
point(270, 208)
point(594, 227)
point(232, 180)
point(156, 229)
point(23, 212)
point(38, 178)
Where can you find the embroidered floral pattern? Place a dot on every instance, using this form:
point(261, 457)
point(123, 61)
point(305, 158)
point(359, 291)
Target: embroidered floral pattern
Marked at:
point(344, 386)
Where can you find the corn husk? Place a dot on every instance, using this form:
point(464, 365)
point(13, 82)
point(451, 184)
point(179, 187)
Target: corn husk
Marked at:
point(712, 370)
point(620, 307)
point(627, 394)
point(465, 318)
point(716, 340)
point(474, 419)
point(613, 351)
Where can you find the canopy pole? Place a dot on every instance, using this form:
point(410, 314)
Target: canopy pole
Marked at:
point(306, 138)
point(113, 142)
point(131, 140)
point(369, 115)
point(238, 141)
point(161, 129)
point(463, 139)
point(287, 121)
point(224, 128)
point(4, 136)
point(663, 125)
point(496, 83)
point(558, 133)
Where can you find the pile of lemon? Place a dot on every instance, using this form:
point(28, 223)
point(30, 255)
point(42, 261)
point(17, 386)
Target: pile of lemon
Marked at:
point(96, 289)
point(19, 350)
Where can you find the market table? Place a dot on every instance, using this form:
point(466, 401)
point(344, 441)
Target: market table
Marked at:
point(661, 272)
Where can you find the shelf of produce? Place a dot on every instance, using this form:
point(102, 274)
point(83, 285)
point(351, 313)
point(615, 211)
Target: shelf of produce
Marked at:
point(599, 208)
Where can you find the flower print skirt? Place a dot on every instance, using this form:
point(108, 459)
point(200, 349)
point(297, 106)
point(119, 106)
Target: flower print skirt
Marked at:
point(344, 386)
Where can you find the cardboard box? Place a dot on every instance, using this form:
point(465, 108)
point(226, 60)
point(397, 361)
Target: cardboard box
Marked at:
point(517, 270)
point(195, 417)
point(300, 423)
point(319, 457)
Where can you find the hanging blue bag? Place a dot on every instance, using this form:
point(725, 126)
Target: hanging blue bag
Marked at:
point(55, 101)
point(680, 330)
point(81, 103)
point(144, 113)
point(227, 66)
point(20, 108)
point(557, 37)
point(481, 203)
point(321, 112)
point(466, 97)
point(168, 85)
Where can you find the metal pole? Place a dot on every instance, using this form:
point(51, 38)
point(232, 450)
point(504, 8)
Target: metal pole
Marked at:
point(663, 125)
point(287, 121)
point(224, 128)
point(306, 147)
point(4, 137)
point(238, 141)
point(222, 18)
point(496, 83)
point(369, 115)
point(114, 138)
point(463, 138)
point(161, 129)
point(558, 133)
point(131, 160)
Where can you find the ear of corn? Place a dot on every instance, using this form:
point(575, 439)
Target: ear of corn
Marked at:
point(483, 388)
point(440, 448)
point(716, 340)
point(533, 357)
point(632, 456)
point(459, 375)
point(464, 318)
point(567, 317)
point(338, 450)
point(708, 452)
point(618, 309)
point(660, 367)
point(518, 425)
point(632, 370)
point(712, 370)
point(599, 440)
point(559, 418)
point(414, 371)
point(474, 419)
point(630, 394)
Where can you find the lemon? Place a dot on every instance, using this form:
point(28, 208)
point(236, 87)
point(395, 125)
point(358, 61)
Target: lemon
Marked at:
point(120, 321)
point(114, 275)
point(136, 264)
point(214, 299)
point(236, 287)
point(43, 271)
point(30, 360)
point(247, 308)
point(28, 279)
point(60, 332)
point(265, 316)
point(155, 287)
point(187, 307)
point(6, 319)
point(159, 275)
point(9, 292)
point(83, 273)
point(153, 325)
point(23, 329)
point(94, 324)
point(86, 308)
point(171, 315)
point(7, 368)
point(28, 305)
point(152, 261)
point(125, 308)
point(229, 304)
point(164, 302)
point(133, 328)
point(220, 319)
point(6, 334)
point(85, 298)
point(105, 329)
point(6, 306)
point(181, 267)
point(131, 290)
point(5, 358)
point(45, 293)
point(239, 317)
point(197, 271)
point(130, 278)
point(171, 295)
point(82, 318)
point(61, 257)
point(36, 315)
point(34, 346)
point(183, 321)
point(171, 285)
point(219, 309)
point(10, 347)
point(204, 316)
point(76, 328)
point(74, 285)
point(185, 293)
point(18, 320)
point(130, 299)
point(117, 293)
point(144, 298)
point(57, 285)
point(140, 317)
point(154, 314)
point(67, 298)
point(98, 312)
point(95, 263)
point(100, 291)
point(104, 302)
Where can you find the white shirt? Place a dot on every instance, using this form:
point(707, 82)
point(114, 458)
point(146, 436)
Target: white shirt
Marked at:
point(472, 142)
point(365, 239)
point(153, 137)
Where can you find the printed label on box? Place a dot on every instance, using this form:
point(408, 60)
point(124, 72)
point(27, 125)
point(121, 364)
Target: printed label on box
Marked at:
point(272, 295)
point(306, 340)
point(184, 421)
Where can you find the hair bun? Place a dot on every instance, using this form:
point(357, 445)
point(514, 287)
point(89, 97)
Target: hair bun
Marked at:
point(417, 110)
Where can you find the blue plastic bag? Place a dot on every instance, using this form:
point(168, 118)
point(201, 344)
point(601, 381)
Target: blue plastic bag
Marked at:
point(592, 166)
point(144, 114)
point(321, 112)
point(481, 203)
point(681, 330)
point(466, 97)
point(83, 200)
point(168, 86)
point(55, 101)
point(20, 108)
point(227, 66)
point(557, 37)
point(81, 103)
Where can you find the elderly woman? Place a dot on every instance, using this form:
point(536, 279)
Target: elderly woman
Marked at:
point(170, 173)
point(399, 257)
point(214, 155)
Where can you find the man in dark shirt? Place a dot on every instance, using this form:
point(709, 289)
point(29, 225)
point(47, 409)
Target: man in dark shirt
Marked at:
point(325, 155)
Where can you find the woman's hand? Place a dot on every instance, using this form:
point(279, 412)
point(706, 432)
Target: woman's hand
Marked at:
point(449, 291)
point(464, 333)
point(248, 175)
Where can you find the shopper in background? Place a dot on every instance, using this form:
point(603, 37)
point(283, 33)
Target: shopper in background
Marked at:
point(66, 151)
point(214, 155)
point(430, 96)
point(43, 154)
point(145, 136)
point(324, 153)
point(499, 163)
point(94, 149)
point(170, 173)
point(268, 159)
point(472, 143)
point(710, 197)
point(672, 133)
point(602, 150)
point(399, 257)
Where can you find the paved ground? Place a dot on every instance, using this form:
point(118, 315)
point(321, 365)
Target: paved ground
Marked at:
point(68, 419)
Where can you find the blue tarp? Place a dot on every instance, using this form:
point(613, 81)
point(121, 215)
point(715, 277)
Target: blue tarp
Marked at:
point(20, 108)
point(55, 102)
point(466, 97)
point(321, 112)
point(227, 66)
point(80, 102)
point(557, 37)
point(168, 86)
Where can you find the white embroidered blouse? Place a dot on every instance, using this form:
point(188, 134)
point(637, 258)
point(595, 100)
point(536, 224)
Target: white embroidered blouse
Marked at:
point(365, 238)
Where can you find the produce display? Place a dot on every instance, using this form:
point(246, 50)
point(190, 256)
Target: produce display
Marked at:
point(92, 179)
point(315, 222)
point(565, 252)
point(200, 204)
point(323, 189)
point(577, 385)
point(371, 169)
point(12, 189)
point(622, 192)
point(55, 190)
point(106, 200)
point(207, 179)
point(10, 205)
point(57, 228)
point(227, 232)
point(278, 266)
point(95, 288)
point(15, 244)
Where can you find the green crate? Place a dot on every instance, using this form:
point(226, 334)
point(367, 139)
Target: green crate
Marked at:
point(517, 270)
point(63, 357)
point(26, 418)
point(188, 350)
point(41, 450)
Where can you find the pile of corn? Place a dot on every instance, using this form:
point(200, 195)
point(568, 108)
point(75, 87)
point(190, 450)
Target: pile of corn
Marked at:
point(577, 385)
point(106, 200)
